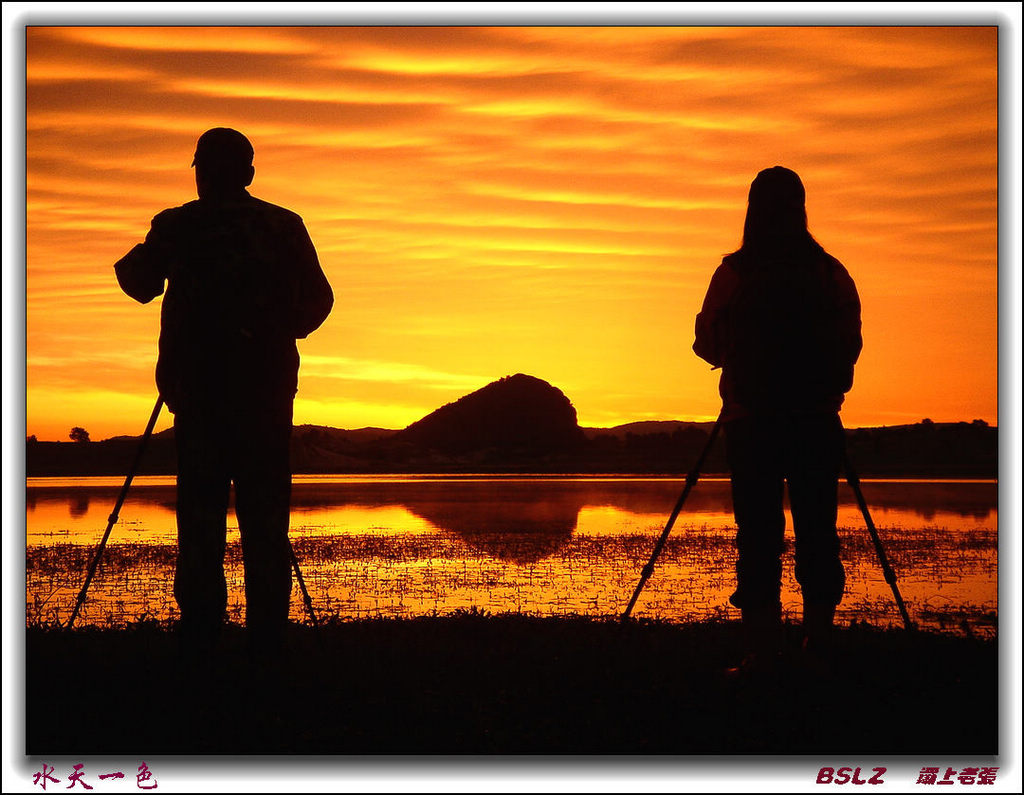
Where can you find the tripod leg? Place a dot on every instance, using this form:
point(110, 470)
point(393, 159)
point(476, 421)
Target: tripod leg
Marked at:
point(691, 481)
point(890, 575)
point(112, 519)
point(305, 595)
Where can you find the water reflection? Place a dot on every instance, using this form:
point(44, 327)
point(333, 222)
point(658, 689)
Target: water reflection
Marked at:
point(542, 513)
point(525, 525)
point(399, 546)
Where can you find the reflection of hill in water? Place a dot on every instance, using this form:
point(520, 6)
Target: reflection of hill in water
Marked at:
point(520, 520)
point(523, 531)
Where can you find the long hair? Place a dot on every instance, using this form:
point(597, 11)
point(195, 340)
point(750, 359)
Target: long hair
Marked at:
point(776, 223)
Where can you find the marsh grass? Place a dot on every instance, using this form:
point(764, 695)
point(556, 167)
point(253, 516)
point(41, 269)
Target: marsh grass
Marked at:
point(947, 578)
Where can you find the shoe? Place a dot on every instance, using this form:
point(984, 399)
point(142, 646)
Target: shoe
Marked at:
point(816, 659)
point(816, 649)
point(756, 667)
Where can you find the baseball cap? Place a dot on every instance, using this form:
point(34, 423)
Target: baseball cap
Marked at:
point(225, 146)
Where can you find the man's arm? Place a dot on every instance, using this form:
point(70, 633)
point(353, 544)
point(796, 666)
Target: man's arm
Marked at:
point(141, 272)
point(313, 297)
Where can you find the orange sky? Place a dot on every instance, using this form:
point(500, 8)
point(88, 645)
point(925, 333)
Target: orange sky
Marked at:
point(553, 201)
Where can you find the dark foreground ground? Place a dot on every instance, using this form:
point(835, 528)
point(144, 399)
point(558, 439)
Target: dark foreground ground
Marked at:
point(476, 684)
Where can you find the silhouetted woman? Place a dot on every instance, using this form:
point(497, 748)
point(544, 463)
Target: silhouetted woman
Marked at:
point(782, 319)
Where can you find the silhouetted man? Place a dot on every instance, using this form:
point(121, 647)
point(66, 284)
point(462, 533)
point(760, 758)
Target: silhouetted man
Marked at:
point(243, 283)
point(782, 319)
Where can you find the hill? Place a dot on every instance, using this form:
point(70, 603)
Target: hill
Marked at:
point(518, 414)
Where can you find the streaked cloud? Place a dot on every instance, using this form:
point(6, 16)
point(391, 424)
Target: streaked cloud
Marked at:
point(490, 200)
point(346, 368)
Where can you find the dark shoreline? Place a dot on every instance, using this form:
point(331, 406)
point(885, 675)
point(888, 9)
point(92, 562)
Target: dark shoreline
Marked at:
point(470, 683)
point(924, 450)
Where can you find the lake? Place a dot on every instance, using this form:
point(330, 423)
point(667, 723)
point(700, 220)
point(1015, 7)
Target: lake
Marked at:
point(400, 546)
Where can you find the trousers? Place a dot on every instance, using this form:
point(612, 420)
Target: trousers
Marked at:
point(245, 443)
point(766, 453)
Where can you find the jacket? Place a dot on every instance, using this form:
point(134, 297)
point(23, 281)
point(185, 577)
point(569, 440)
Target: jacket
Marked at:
point(785, 331)
point(243, 282)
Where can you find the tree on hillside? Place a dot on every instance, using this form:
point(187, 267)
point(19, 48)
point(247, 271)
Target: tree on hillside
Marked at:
point(79, 434)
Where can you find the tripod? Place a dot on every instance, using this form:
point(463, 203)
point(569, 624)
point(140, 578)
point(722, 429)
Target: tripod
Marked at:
point(112, 520)
point(851, 478)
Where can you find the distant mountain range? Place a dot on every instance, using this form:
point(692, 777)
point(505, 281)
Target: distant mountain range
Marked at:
point(521, 424)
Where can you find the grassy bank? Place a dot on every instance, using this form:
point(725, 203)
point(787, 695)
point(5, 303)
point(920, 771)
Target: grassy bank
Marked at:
point(507, 684)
